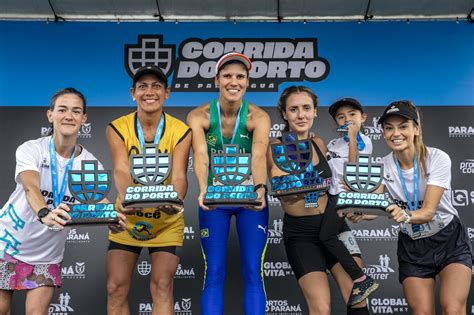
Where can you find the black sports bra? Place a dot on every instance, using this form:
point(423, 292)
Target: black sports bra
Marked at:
point(322, 167)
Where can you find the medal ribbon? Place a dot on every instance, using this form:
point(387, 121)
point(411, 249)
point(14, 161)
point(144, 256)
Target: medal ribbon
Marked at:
point(59, 196)
point(236, 126)
point(159, 131)
point(411, 206)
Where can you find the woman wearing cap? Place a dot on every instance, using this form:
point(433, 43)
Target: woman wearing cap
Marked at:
point(158, 229)
point(310, 232)
point(230, 119)
point(34, 217)
point(432, 240)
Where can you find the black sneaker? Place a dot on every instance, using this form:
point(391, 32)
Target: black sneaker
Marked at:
point(362, 290)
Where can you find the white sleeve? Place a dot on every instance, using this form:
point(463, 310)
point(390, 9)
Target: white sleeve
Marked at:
point(28, 157)
point(439, 169)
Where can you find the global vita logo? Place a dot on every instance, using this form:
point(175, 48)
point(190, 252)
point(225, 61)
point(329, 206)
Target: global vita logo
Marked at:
point(144, 268)
point(193, 69)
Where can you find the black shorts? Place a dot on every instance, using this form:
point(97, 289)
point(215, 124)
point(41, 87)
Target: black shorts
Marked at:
point(304, 249)
point(137, 249)
point(426, 257)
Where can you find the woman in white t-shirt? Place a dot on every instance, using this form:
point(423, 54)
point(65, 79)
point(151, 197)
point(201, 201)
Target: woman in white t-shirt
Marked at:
point(432, 241)
point(32, 221)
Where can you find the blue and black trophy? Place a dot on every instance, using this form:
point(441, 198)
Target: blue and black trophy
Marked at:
point(150, 169)
point(89, 186)
point(294, 157)
point(363, 177)
point(231, 168)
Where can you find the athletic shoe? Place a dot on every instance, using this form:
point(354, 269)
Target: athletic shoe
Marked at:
point(361, 290)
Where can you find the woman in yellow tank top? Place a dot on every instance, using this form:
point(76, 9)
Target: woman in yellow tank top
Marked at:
point(158, 229)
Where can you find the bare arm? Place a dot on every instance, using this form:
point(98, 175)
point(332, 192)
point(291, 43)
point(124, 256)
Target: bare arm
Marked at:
point(180, 166)
point(260, 126)
point(198, 122)
point(424, 214)
point(30, 181)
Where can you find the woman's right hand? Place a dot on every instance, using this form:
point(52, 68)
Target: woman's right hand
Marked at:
point(359, 217)
point(58, 217)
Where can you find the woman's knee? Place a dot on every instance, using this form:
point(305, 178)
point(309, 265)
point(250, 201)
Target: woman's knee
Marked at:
point(117, 286)
point(161, 286)
point(453, 308)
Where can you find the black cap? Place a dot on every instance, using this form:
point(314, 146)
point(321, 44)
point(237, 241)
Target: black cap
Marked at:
point(400, 108)
point(342, 102)
point(150, 69)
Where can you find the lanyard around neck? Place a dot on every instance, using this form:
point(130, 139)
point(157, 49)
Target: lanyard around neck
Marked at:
point(411, 206)
point(59, 196)
point(236, 125)
point(159, 131)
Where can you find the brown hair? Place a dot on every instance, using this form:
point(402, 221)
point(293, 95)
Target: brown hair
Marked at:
point(287, 93)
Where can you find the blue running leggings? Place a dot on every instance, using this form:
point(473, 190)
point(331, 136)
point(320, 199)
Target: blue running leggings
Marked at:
point(252, 230)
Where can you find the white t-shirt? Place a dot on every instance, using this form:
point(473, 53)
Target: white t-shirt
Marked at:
point(338, 153)
point(438, 165)
point(22, 235)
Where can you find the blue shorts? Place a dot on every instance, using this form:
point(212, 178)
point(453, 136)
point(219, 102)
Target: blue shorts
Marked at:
point(426, 257)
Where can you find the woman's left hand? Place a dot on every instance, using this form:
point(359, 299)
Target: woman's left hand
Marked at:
point(397, 213)
point(120, 226)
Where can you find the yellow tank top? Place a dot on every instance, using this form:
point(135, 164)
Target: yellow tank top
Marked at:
point(151, 228)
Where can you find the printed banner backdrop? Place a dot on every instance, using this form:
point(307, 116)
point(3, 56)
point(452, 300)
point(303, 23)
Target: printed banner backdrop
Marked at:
point(84, 287)
point(429, 63)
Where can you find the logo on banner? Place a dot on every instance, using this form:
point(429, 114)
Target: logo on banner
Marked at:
point(145, 308)
point(282, 307)
point(460, 131)
point(76, 271)
point(183, 307)
point(275, 234)
point(467, 166)
point(188, 233)
point(277, 269)
point(470, 233)
point(149, 50)
point(190, 164)
point(380, 271)
point(375, 131)
point(387, 234)
point(84, 132)
point(276, 130)
point(462, 197)
point(388, 305)
point(144, 268)
point(274, 61)
point(63, 307)
point(273, 201)
point(183, 273)
point(75, 237)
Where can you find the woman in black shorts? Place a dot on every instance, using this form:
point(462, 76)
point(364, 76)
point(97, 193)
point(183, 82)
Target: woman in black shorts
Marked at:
point(307, 246)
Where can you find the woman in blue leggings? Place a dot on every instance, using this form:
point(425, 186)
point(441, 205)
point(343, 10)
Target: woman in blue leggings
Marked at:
point(232, 120)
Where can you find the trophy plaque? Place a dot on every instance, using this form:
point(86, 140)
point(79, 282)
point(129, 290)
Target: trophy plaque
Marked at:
point(230, 170)
point(294, 157)
point(150, 169)
point(89, 186)
point(363, 177)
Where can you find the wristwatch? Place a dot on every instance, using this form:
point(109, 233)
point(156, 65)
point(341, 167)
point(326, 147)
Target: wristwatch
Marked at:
point(42, 213)
point(257, 187)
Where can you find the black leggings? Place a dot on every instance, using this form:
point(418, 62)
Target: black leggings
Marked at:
point(328, 237)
